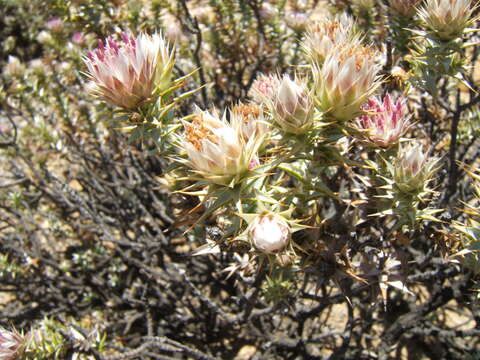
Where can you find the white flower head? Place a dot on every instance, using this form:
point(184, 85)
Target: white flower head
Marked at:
point(447, 19)
point(288, 101)
point(348, 77)
point(217, 149)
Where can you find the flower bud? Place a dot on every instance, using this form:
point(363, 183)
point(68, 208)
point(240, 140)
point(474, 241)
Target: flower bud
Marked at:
point(447, 18)
point(264, 87)
point(12, 344)
point(126, 73)
point(37, 66)
point(269, 233)
point(384, 122)
point(44, 37)
point(413, 169)
point(293, 108)
point(288, 102)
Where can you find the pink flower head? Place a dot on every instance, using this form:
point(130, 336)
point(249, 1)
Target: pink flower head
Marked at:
point(55, 24)
point(78, 38)
point(385, 122)
point(11, 344)
point(127, 72)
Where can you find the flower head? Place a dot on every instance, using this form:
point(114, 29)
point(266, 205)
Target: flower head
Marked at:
point(447, 18)
point(288, 101)
point(11, 344)
point(269, 233)
point(346, 80)
point(126, 73)
point(217, 149)
point(413, 169)
point(324, 35)
point(385, 122)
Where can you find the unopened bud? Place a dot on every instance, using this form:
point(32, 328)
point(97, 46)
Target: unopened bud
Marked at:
point(78, 38)
point(293, 106)
point(269, 233)
point(44, 37)
point(413, 169)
